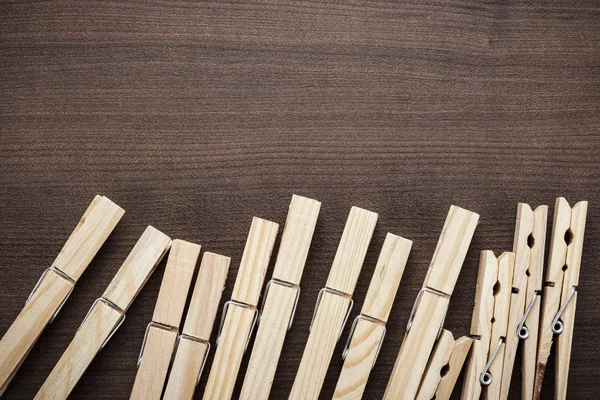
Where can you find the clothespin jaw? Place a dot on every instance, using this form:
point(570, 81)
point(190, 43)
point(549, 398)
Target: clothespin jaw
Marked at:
point(240, 313)
point(448, 374)
point(523, 321)
point(334, 303)
point(193, 344)
point(560, 292)
point(280, 297)
point(161, 334)
point(106, 314)
point(368, 329)
point(428, 314)
point(489, 326)
point(56, 284)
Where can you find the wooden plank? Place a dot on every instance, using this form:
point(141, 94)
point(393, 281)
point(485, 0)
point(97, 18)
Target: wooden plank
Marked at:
point(160, 341)
point(351, 250)
point(229, 353)
point(481, 324)
point(534, 288)
point(271, 333)
point(199, 322)
point(416, 347)
point(453, 368)
point(320, 346)
point(451, 249)
point(206, 296)
point(104, 318)
point(176, 281)
point(386, 277)
point(96, 224)
point(81, 351)
point(185, 370)
point(296, 238)
point(151, 374)
point(359, 361)
point(502, 297)
point(137, 268)
point(255, 260)
point(439, 358)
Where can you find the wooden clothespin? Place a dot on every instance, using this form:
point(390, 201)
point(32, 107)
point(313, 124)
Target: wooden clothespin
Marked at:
point(240, 313)
point(525, 301)
point(334, 304)
point(161, 334)
point(193, 346)
point(559, 299)
point(489, 326)
point(56, 284)
point(368, 329)
point(281, 297)
point(429, 311)
point(106, 314)
point(444, 366)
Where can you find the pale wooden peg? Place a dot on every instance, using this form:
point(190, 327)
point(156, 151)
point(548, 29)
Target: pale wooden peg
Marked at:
point(560, 293)
point(452, 370)
point(333, 304)
point(481, 325)
point(506, 267)
point(161, 334)
point(106, 314)
point(239, 314)
point(281, 295)
point(528, 246)
point(432, 304)
point(368, 331)
point(194, 345)
point(439, 358)
point(55, 285)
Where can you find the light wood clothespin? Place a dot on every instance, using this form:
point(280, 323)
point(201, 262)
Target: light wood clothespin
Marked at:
point(240, 313)
point(525, 301)
point(193, 346)
point(56, 284)
point(106, 314)
point(334, 304)
point(162, 333)
point(489, 326)
point(429, 311)
point(559, 299)
point(444, 367)
point(280, 298)
point(368, 329)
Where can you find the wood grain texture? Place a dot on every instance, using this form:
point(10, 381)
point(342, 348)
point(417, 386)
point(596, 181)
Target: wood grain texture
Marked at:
point(186, 367)
point(439, 358)
point(296, 239)
point(319, 348)
point(195, 116)
point(352, 250)
point(462, 346)
point(176, 281)
point(386, 277)
point(152, 372)
point(206, 296)
point(255, 260)
point(357, 367)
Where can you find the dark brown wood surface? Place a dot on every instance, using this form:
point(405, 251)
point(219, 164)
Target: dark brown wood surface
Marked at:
point(194, 117)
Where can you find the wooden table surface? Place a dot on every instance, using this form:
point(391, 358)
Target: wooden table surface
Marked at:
point(194, 117)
